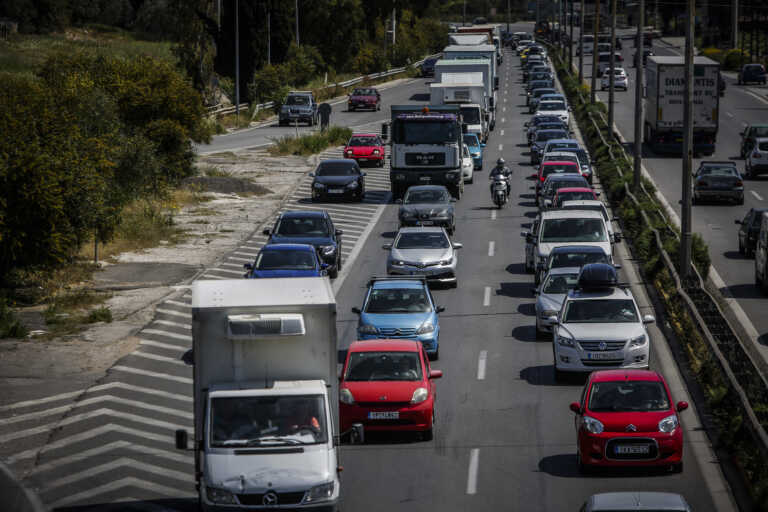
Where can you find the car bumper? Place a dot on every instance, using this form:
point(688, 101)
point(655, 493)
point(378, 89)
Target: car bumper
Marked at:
point(429, 341)
point(600, 449)
point(296, 117)
point(436, 274)
point(346, 193)
point(731, 195)
point(570, 359)
point(478, 161)
point(361, 105)
point(365, 158)
point(416, 417)
point(442, 222)
point(758, 167)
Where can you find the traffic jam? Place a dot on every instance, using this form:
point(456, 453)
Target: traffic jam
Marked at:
point(384, 382)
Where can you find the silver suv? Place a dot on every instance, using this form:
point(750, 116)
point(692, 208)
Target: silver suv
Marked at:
point(299, 106)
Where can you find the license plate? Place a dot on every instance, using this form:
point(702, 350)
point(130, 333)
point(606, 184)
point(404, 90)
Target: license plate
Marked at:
point(362, 159)
point(605, 355)
point(335, 190)
point(425, 178)
point(427, 222)
point(633, 449)
point(384, 415)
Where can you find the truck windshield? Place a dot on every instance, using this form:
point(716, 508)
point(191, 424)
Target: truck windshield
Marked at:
point(268, 420)
point(425, 132)
point(573, 230)
point(470, 115)
point(600, 311)
point(368, 366)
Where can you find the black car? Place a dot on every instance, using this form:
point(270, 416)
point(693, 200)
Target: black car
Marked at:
point(540, 140)
point(313, 227)
point(718, 180)
point(428, 205)
point(338, 179)
point(749, 230)
point(752, 73)
point(428, 66)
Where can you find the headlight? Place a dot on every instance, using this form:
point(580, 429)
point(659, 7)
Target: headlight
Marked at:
point(565, 341)
point(443, 213)
point(669, 424)
point(319, 493)
point(426, 328)
point(345, 396)
point(220, 496)
point(352, 185)
point(376, 152)
point(328, 249)
point(592, 425)
point(368, 329)
point(547, 313)
point(446, 262)
point(419, 395)
point(639, 341)
point(319, 185)
point(475, 155)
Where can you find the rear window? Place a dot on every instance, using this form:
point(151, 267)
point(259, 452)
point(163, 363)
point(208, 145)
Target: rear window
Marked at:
point(763, 146)
point(717, 171)
point(560, 169)
point(758, 131)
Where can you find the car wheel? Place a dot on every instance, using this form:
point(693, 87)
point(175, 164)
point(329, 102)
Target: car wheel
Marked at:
point(435, 356)
point(381, 163)
point(429, 434)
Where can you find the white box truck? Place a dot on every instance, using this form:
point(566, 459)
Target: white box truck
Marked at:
point(477, 51)
point(468, 91)
point(664, 102)
point(468, 39)
point(451, 66)
point(265, 394)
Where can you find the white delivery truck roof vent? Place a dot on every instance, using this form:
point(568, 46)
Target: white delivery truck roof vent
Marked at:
point(247, 327)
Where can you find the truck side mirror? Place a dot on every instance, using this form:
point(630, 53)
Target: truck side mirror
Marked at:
point(357, 434)
point(440, 309)
point(182, 439)
point(384, 131)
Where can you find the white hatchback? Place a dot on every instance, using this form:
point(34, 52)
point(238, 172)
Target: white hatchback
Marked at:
point(620, 80)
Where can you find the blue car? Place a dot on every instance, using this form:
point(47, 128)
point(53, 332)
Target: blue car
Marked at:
point(475, 149)
point(286, 260)
point(400, 308)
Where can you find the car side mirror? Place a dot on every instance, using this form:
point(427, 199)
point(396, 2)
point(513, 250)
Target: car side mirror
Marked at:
point(440, 309)
point(356, 311)
point(457, 245)
point(553, 320)
point(248, 266)
point(575, 407)
point(648, 319)
point(341, 356)
point(265, 232)
point(324, 266)
point(435, 374)
point(387, 247)
point(339, 232)
point(547, 202)
point(311, 175)
point(597, 193)
point(681, 406)
point(617, 266)
point(533, 176)
point(182, 439)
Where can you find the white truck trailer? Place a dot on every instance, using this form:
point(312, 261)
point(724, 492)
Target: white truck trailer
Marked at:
point(451, 66)
point(477, 51)
point(265, 394)
point(468, 91)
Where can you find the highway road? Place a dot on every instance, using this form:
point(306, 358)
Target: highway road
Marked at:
point(504, 436)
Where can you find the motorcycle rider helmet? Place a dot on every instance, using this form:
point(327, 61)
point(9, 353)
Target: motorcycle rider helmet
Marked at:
point(500, 162)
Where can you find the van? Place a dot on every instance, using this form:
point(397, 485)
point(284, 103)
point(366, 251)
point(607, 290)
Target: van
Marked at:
point(604, 61)
point(761, 256)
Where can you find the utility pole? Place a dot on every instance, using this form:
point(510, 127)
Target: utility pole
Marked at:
point(269, 36)
point(218, 14)
point(297, 23)
point(237, 61)
point(595, 60)
point(581, 44)
point(685, 241)
point(638, 160)
point(394, 13)
point(570, 43)
point(612, 65)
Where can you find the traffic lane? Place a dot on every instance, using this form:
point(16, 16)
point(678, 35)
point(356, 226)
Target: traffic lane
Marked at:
point(409, 91)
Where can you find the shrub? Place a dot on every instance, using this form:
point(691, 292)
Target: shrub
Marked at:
point(101, 314)
point(312, 143)
point(733, 59)
point(10, 327)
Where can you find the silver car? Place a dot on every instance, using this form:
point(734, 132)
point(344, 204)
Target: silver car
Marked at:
point(635, 502)
point(550, 296)
point(423, 251)
point(427, 205)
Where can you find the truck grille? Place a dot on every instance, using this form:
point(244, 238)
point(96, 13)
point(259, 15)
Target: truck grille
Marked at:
point(425, 158)
point(613, 445)
point(594, 346)
point(283, 498)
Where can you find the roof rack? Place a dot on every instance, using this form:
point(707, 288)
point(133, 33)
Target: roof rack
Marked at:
point(397, 278)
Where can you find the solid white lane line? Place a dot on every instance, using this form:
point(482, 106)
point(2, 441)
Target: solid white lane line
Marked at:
point(493, 214)
point(758, 196)
point(491, 248)
point(481, 364)
point(487, 296)
point(474, 462)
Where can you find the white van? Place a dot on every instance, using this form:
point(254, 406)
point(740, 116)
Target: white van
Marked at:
point(761, 256)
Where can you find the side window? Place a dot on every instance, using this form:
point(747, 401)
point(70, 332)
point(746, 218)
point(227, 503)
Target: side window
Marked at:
point(331, 229)
point(535, 229)
point(746, 223)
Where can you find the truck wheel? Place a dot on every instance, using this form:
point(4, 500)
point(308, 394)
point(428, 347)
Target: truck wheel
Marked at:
point(333, 274)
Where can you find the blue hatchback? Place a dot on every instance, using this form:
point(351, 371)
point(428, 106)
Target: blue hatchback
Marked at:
point(475, 149)
point(400, 308)
point(286, 260)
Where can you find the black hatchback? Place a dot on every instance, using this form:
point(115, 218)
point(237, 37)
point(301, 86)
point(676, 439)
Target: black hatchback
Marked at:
point(338, 179)
point(752, 73)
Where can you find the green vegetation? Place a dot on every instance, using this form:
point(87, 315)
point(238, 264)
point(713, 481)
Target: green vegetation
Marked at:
point(310, 144)
point(10, 327)
point(69, 312)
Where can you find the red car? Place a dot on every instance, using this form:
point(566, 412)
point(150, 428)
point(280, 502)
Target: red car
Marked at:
point(573, 194)
point(365, 148)
point(364, 97)
point(388, 385)
point(547, 168)
point(627, 418)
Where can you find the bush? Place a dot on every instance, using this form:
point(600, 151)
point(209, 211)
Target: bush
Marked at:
point(302, 63)
point(733, 59)
point(310, 144)
point(10, 327)
point(101, 314)
point(268, 84)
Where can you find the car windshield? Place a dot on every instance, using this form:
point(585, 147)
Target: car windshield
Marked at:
point(627, 396)
point(302, 226)
point(560, 283)
point(541, 92)
point(430, 195)
point(470, 139)
point(364, 141)
point(428, 240)
point(560, 169)
point(297, 100)
point(425, 132)
point(542, 136)
point(398, 300)
point(285, 260)
point(573, 230)
point(344, 169)
point(268, 420)
point(758, 131)
point(368, 366)
point(363, 92)
point(470, 115)
point(577, 259)
point(552, 105)
point(575, 196)
point(717, 171)
point(600, 311)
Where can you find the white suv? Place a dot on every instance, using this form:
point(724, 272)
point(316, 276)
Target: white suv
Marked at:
point(599, 326)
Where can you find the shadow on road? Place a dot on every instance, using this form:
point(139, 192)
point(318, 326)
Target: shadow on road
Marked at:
point(735, 255)
point(516, 268)
point(515, 290)
point(420, 97)
point(544, 375)
point(743, 291)
point(527, 309)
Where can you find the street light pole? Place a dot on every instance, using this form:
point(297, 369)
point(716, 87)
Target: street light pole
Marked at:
point(685, 241)
point(734, 23)
point(508, 17)
point(612, 78)
point(595, 61)
point(237, 61)
point(638, 160)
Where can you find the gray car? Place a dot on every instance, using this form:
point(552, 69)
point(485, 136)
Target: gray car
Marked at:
point(550, 296)
point(428, 205)
point(299, 106)
point(636, 501)
point(423, 251)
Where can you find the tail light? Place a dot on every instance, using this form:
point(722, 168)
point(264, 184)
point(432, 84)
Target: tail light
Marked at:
point(757, 155)
point(739, 183)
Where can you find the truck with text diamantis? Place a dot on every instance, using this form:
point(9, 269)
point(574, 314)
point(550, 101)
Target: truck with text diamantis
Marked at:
point(665, 100)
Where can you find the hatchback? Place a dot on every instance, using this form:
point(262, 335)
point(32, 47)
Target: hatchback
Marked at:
point(752, 73)
point(338, 179)
point(365, 148)
point(756, 161)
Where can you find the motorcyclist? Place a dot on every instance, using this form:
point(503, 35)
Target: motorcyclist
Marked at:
point(500, 170)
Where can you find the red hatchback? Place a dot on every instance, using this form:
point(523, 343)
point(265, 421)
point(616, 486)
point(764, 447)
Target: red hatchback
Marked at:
point(365, 148)
point(627, 418)
point(554, 167)
point(573, 194)
point(388, 385)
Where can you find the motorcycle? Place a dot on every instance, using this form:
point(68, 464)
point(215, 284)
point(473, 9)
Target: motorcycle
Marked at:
point(499, 191)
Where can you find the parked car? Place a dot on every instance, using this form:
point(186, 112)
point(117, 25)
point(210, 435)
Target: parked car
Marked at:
point(563, 194)
point(428, 205)
point(635, 502)
point(557, 124)
point(620, 79)
point(338, 179)
point(761, 256)
point(366, 148)
point(400, 308)
point(628, 418)
point(364, 98)
point(428, 67)
point(426, 251)
point(286, 260)
point(313, 227)
point(475, 149)
point(718, 181)
point(388, 385)
point(550, 295)
point(752, 73)
point(756, 161)
point(749, 136)
point(750, 230)
point(542, 73)
point(572, 256)
point(299, 107)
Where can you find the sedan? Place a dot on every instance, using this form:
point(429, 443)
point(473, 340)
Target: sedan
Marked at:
point(628, 418)
point(364, 97)
point(388, 385)
point(428, 205)
point(572, 256)
point(286, 260)
point(620, 79)
point(338, 179)
point(424, 251)
point(750, 230)
point(717, 180)
point(550, 295)
point(365, 148)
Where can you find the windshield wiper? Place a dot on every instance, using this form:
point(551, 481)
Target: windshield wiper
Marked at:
point(260, 440)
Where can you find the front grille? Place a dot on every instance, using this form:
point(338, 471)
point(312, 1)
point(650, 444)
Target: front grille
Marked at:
point(283, 498)
point(391, 332)
point(425, 158)
point(602, 363)
point(610, 449)
point(594, 346)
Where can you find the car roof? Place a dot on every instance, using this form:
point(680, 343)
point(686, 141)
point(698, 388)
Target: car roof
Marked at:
point(289, 247)
point(384, 345)
point(398, 283)
point(637, 501)
point(421, 229)
point(570, 214)
point(337, 161)
point(429, 187)
point(303, 213)
point(551, 130)
point(574, 189)
point(626, 374)
point(582, 202)
point(577, 248)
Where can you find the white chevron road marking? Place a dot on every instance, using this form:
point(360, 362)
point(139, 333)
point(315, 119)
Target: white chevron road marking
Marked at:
point(174, 324)
point(185, 337)
point(130, 481)
point(155, 357)
point(167, 346)
point(138, 371)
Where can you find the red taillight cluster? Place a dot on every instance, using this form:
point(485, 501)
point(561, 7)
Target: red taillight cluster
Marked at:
point(739, 183)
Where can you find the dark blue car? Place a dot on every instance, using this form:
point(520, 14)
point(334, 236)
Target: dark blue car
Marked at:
point(286, 260)
point(313, 227)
